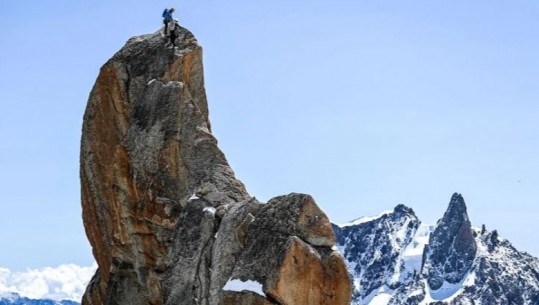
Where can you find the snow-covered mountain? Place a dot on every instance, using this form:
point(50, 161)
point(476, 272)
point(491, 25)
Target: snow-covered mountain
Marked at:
point(394, 259)
point(15, 299)
point(63, 285)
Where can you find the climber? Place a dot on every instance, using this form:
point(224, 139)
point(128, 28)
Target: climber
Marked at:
point(167, 17)
point(174, 33)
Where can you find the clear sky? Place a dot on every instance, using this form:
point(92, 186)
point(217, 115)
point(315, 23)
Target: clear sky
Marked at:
point(363, 104)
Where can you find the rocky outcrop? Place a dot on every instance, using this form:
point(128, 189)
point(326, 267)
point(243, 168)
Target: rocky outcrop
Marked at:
point(167, 220)
point(289, 250)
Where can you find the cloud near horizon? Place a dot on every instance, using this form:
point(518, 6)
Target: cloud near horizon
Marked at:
point(65, 282)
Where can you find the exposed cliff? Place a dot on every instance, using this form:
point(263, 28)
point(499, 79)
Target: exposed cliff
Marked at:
point(167, 220)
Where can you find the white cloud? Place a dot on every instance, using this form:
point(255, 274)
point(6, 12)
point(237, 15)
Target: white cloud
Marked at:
point(65, 282)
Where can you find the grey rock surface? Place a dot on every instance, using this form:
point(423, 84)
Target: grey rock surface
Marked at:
point(452, 247)
point(294, 227)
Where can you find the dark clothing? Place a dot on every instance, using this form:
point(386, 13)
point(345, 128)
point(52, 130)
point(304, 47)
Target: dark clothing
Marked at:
point(166, 26)
point(174, 33)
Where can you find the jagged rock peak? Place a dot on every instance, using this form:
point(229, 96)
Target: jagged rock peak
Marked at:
point(457, 207)
point(402, 209)
point(167, 220)
point(372, 247)
point(452, 247)
point(398, 211)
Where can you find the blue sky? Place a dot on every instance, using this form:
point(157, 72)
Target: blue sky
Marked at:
point(363, 104)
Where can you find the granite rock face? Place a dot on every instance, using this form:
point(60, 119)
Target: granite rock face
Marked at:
point(167, 220)
point(289, 249)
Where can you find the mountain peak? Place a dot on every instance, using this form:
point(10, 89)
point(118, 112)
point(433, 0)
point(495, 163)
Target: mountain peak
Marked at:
point(394, 260)
point(457, 205)
point(452, 246)
point(456, 210)
point(402, 209)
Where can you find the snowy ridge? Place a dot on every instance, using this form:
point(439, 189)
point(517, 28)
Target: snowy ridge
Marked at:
point(387, 261)
point(15, 299)
point(210, 210)
point(374, 252)
point(364, 219)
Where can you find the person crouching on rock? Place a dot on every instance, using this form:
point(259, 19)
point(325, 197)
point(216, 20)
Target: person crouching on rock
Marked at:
point(167, 17)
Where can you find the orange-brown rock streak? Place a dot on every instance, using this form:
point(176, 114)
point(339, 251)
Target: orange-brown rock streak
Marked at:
point(307, 278)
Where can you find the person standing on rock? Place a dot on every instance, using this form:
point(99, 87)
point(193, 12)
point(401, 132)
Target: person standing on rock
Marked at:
point(167, 17)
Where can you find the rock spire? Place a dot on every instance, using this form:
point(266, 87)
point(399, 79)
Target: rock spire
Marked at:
point(167, 220)
point(452, 247)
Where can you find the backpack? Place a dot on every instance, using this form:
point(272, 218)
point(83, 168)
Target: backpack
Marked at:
point(165, 12)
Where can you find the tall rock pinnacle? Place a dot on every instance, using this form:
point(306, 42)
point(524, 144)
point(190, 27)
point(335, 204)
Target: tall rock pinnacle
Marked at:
point(167, 220)
point(452, 247)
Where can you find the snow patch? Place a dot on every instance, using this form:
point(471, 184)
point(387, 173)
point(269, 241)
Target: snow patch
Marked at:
point(470, 280)
point(193, 197)
point(211, 210)
point(445, 292)
point(204, 129)
point(415, 293)
point(381, 299)
point(448, 292)
point(239, 285)
point(380, 296)
point(412, 256)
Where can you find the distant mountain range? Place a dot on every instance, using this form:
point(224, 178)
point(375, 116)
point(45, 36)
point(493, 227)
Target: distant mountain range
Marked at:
point(63, 284)
point(15, 299)
point(394, 259)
